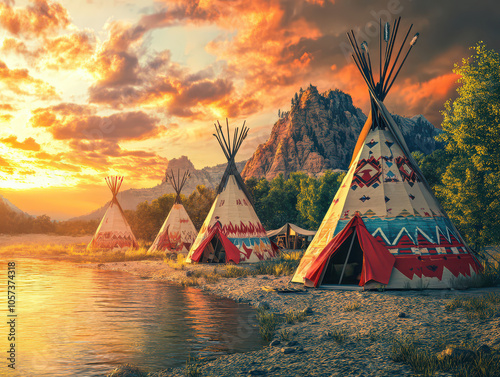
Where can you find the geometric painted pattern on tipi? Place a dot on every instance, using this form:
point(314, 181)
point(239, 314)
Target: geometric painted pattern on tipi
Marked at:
point(113, 231)
point(232, 209)
point(235, 214)
point(395, 204)
point(177, 233)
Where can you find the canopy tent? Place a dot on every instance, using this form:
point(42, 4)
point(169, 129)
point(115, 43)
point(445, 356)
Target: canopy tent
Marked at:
point(232, 222)
point(178, 232)
point(386, 190)
point(291, 236)
point(113, 231)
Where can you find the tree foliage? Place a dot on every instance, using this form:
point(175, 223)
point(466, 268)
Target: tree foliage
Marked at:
point(470, 182)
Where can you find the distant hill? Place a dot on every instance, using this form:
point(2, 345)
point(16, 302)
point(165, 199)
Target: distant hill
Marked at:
point(13, 207)
point(320, 132)
point(129, 199)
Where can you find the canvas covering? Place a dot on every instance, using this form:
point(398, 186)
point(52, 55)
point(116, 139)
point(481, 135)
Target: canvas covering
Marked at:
point(177, 233)
point(113, 232)
point(399, 212)
point(295, 228)
point(233, 212)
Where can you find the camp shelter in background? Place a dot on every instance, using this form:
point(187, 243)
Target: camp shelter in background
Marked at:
point(384, 226)
point(291, 236)
point(178, 232)
point(232, 231)
point(113, 231)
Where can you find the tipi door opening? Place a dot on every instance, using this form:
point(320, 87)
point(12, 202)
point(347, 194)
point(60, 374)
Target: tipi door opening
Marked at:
point(345, 266)
point(214, 252)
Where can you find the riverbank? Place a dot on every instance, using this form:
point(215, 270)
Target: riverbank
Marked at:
point(342, 333)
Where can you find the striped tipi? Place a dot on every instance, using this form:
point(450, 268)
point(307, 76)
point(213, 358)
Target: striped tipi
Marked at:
point(178, 232)
point(232, 232)
point(384, 226)
point(113, 231)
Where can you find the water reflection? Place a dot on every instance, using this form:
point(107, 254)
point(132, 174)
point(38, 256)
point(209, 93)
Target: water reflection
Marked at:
point(77, 321)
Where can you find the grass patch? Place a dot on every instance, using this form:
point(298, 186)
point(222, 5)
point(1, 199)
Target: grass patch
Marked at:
point(211, 278)
point(179, 263)
point(481, 307)
point(421, 361)
point(236, 272)
point(190, 282)
point(460, 361)
point(294, 316)
point(284, 265)
point(339, 335)
point(127, 370)
point(268, 322)
point(352, 306)
point(79, 253)
point(489, 277)
point(193, 367)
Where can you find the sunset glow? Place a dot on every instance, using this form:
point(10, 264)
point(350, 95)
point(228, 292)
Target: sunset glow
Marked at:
point(91, 88)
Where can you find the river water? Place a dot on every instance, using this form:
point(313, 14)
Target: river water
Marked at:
point(83, 322)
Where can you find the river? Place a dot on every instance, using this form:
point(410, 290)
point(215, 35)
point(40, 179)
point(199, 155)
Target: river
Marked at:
point(84, 322)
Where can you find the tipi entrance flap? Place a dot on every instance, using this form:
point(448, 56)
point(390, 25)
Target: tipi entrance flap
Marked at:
point(377, 262)
point(231, 252)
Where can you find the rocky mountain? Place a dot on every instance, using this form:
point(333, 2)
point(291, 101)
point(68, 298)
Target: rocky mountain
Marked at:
point(320, 132)
point(129, 199)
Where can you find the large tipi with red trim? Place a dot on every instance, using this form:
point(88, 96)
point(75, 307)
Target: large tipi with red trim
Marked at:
point(178, 232)
point(113, 231)
point(384, 226)
point(232, 231)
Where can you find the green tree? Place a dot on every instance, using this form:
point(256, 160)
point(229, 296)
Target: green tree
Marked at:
point(471, 183)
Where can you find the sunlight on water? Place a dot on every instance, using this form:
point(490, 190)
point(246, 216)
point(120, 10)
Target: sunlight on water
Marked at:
point(84, 322)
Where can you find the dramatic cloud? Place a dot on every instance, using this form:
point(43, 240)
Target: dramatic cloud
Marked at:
point(28, 144)
point(40, 18)
point(69, 121)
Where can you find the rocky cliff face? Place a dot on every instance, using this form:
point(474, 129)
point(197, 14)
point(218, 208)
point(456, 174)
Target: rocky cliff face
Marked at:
point(129, 199)
point(320, 132)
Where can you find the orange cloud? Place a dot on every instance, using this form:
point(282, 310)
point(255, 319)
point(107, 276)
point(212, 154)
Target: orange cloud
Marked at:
point(28, 144)
point(20, 82)
point(69, 121)
point(41, 18)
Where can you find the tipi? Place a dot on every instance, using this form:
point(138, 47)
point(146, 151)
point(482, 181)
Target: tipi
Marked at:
point(232, 232)
point(178, 232)
point(113, 231)
point(384, 226)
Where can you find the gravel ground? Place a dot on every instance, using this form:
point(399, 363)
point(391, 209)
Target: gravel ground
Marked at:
point(310, 348)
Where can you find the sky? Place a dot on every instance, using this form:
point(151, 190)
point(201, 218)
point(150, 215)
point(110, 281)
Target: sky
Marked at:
point(91, 88)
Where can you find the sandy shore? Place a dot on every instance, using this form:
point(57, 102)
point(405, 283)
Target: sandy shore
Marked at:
point(315, 347)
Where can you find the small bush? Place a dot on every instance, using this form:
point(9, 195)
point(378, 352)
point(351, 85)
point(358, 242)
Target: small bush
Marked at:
point(352, 306)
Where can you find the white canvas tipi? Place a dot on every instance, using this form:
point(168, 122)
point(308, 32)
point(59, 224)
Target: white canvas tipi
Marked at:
point(232, 232)
point(113, 231)
point(384, 226)
point(178, 232)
